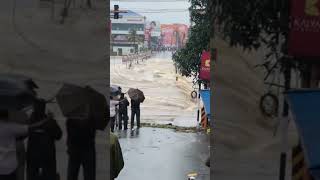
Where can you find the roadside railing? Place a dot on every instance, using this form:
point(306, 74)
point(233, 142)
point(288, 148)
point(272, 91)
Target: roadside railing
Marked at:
point(135, 58)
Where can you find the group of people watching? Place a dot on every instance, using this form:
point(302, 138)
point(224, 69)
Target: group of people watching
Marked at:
point(42, 131)
point(119, 107)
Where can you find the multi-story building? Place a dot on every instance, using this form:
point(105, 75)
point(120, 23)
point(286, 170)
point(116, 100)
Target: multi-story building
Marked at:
point(123, 41)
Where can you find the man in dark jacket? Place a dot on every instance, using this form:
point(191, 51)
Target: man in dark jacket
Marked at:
point(123, 112)
point(41, 151)
point(135, 111)
point(81, 147)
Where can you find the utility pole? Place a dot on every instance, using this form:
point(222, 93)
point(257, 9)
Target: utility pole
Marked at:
point(198, 113)
point(286, 64)
point(115, 15)
point(116, 12)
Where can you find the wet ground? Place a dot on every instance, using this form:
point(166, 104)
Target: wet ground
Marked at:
point(157, 154)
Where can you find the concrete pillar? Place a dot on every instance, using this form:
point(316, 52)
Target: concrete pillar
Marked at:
point(315, 76)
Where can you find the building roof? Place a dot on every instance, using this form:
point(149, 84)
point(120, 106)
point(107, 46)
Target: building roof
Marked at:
point(130, 13)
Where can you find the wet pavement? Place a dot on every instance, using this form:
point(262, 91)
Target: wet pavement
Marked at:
point(157, 154)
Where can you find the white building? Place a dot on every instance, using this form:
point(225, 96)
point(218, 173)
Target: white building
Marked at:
point(121, 43)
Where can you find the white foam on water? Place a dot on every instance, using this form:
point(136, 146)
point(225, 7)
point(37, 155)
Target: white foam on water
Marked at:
point(166, 99)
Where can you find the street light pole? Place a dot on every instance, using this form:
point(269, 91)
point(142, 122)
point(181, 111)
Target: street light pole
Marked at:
point(286, 64)
point(198, 113)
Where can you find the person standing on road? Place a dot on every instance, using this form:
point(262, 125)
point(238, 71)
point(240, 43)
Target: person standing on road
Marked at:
point(81, 146)
point(113, 105)
point(135, 111)
point(9, 132)
point(41, 151)
point(123, 112)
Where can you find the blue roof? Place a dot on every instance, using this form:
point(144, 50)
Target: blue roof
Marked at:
point(304, 105)
point(205, 96)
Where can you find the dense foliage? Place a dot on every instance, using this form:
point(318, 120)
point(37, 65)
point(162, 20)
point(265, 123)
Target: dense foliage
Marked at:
point(187, 59)
point(135, 38)
point(243, 23)
point(255, 24)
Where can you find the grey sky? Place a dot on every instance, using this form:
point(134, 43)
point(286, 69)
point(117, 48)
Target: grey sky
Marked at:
point(165, 11)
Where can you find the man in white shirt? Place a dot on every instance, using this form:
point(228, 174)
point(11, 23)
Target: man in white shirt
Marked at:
point(113, 105)
point(9, 132)
point(8, 155)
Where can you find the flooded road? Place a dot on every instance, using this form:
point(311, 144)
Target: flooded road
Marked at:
point(167, 100)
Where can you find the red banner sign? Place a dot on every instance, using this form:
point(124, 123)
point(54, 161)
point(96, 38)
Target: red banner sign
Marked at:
point(304, 35)
point(205, 66)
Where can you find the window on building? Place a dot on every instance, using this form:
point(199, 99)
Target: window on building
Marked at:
point(127, 27)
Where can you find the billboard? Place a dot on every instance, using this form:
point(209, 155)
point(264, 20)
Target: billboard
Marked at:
point(204, 73)
point(167, 34)
point(304, 35)
point(152, 29)
point(174, 34)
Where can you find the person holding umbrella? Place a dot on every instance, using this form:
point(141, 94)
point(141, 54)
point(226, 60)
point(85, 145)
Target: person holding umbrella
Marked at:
point(16, 93)
point(137, 97)
point(81, 147)
point(85, 110)
point(135, 111)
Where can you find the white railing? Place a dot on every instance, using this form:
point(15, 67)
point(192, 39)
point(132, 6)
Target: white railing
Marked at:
point(131, 58)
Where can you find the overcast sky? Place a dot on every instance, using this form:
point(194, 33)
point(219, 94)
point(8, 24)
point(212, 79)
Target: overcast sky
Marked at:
point(165, 11)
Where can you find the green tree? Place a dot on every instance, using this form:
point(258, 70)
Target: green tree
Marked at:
point(135, 39)
point(187, 59)
point(254, 24)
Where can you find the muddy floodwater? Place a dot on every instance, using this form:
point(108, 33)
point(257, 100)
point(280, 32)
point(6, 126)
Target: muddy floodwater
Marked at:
point(157, 153)
point(167, 100)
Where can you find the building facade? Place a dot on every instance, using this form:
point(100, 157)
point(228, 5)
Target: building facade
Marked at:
point(123, 40)
point(174, 35)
